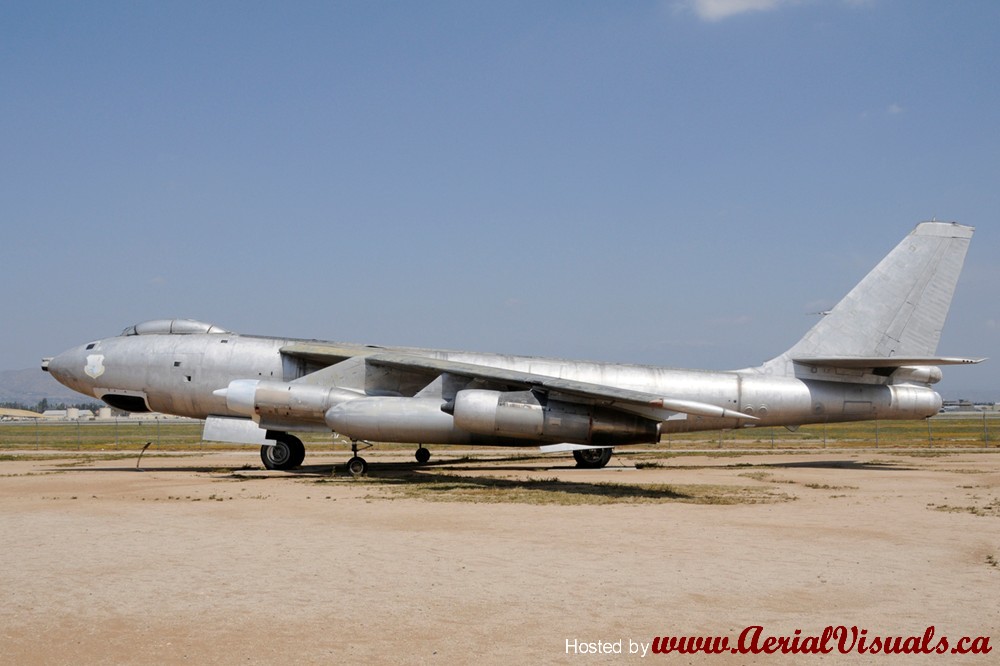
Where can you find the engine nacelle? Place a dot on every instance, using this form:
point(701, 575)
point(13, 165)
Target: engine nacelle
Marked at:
point(265, 400)
point(392, 419)
point(917, 374)
point(914, 402)
point(521, 415)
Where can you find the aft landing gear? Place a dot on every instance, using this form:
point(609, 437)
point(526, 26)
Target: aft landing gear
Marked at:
point(422, 455)
point(286, 453)
point(592, 458)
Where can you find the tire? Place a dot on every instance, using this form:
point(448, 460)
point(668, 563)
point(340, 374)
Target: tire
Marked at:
point(357, 466)
point(592, 458)
point(287, 453)
point(422, 455)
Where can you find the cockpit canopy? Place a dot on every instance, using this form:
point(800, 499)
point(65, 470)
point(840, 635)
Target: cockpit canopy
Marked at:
point(172, 327)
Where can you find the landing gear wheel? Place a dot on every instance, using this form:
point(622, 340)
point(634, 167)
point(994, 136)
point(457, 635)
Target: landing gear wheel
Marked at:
point(592, 458)
point(357, 466)
point(422, 455)
point(287, 453)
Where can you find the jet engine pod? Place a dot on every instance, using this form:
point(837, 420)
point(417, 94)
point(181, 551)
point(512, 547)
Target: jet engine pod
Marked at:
point(913, 402)
point(522, 415)
point(395, 419)
point(917, 374)
point(264, 399)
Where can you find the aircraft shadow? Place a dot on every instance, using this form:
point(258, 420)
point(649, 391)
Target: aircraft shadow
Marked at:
point(841, 464)
point(432, 483)
point(812, 464)
point(425, 481)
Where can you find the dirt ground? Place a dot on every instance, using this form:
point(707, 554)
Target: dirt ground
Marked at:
point(207, 558)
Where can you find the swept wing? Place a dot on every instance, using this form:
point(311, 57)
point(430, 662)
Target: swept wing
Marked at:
point(624, 399)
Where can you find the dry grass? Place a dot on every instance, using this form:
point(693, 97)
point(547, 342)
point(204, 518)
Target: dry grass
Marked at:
point(986, 509)
point(172, 435)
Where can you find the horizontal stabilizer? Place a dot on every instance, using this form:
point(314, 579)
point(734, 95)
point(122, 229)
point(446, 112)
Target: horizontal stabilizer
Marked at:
point(883, 361)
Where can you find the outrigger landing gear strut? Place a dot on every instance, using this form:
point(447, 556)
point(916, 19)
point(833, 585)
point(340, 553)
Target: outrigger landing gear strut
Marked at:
point(357, 466)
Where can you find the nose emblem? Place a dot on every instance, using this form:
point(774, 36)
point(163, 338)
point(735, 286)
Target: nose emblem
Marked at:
point(95, 365)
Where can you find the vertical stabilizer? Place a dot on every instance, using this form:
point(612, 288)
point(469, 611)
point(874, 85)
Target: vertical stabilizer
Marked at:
point(898, 309)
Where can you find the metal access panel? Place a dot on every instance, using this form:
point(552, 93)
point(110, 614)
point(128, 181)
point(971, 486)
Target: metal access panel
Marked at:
point(236, 431)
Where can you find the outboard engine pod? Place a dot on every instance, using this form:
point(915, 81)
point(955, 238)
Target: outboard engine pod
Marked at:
point(521, 414)
point(917, 374)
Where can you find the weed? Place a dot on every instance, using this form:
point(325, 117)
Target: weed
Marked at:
point(826, 486)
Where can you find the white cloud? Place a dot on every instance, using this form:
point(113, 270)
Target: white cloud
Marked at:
point(894, 109)
point(716, 10)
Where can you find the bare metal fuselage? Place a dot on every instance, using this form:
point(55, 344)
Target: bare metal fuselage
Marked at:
point(179, 374)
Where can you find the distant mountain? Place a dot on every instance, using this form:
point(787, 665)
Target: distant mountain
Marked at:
point(30, 386)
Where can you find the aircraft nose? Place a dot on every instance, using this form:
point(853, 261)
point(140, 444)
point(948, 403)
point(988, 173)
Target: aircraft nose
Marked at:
point(68, 369)
point(57, 366)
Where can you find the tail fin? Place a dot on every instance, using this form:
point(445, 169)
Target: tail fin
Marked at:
point(897, 310)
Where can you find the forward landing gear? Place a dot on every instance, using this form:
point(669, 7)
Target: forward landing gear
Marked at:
point(592, 458)
point(286, 453)
point(422, 455)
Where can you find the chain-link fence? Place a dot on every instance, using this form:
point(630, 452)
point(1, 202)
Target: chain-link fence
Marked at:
point(970, 430)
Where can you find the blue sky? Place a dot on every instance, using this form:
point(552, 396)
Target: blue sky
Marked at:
point(675, 183)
